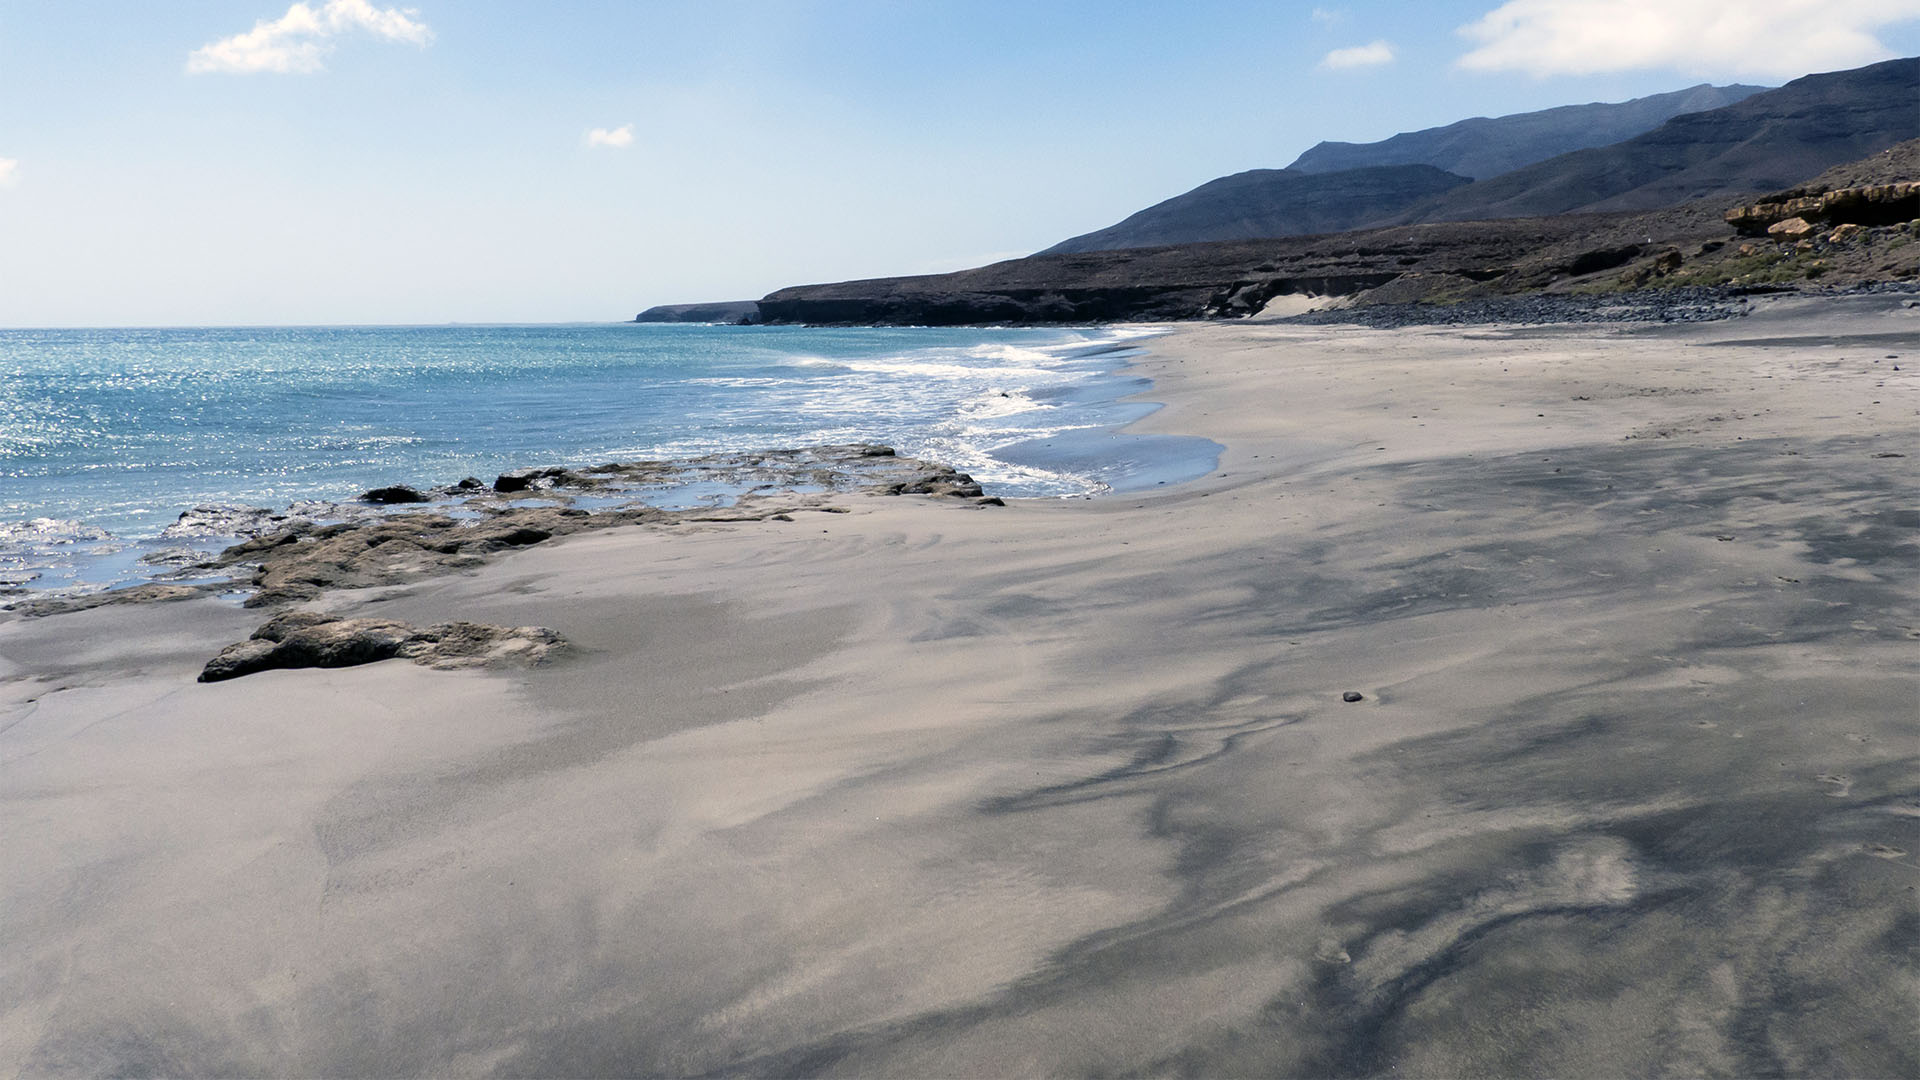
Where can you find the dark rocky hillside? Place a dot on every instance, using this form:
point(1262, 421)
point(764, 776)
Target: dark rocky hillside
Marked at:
point(1270, 202)
point(1234, 278)
point(1485, 147)
point(1669, 251)
point(1768, 141)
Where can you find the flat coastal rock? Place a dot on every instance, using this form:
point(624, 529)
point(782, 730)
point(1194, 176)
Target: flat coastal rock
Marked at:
point(304, 639)
point(139, 594)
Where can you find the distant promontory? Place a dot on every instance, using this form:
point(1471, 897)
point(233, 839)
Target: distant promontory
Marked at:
point(731, 312)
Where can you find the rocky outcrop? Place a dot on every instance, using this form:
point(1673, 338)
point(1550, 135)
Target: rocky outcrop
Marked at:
point(300, 561)
point(531, 479)
point(396, 493)
point(222, 519)
point(150, 593)
point(936, 480)
point(310, 639)
point(1876, 204)
point(302, 557)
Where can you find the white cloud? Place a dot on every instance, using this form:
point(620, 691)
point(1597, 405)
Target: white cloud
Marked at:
point(1701, 37)
point(1370, 55)
point(9, 171)
point(614, 137)
point(1327, 16)
point(298, 41)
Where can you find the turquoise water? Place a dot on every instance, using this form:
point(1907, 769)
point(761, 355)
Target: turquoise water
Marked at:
point(111, 434)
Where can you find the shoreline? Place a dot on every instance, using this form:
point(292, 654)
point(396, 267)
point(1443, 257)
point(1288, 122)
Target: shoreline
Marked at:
point(300, 554)
point(1069, 786)
point(51, 557)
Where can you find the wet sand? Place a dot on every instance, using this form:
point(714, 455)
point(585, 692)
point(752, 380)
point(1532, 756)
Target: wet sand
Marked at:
point(1069, 787)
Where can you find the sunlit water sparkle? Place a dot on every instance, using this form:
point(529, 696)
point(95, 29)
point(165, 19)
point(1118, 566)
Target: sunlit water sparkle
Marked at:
point(107, 435)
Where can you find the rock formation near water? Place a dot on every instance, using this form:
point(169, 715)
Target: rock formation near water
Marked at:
point(311, 639)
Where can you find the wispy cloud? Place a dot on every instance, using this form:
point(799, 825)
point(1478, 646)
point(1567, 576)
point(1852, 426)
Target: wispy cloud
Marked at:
point(298, 42)
point(9, 171)
point(1372, 54)
point(1327, 16)
point(612, 137)
point(1700, 37)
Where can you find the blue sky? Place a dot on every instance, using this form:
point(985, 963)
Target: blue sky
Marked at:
point(358, 161)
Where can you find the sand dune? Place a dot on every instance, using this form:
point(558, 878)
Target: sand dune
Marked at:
point(1069, 787)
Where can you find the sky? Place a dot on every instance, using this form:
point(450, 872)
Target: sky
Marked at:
point(251, 162)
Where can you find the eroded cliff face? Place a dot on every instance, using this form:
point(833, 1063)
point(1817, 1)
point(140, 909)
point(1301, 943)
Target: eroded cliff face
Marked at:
point(1873, 204)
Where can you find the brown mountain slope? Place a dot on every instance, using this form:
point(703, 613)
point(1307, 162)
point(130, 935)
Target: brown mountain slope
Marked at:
point(1768, 141)
point(1484, 147)
point(1690, 244)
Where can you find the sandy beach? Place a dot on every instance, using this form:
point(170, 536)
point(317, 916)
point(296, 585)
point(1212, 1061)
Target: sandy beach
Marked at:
point(933, 788)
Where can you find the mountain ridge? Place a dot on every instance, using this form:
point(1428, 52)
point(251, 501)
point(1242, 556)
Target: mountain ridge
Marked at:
point(1704, 248)
point(1261, 203)
point(1482, 147)
point(1765, 141)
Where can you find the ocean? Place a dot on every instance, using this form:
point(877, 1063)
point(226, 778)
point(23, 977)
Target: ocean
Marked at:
point(107, 436)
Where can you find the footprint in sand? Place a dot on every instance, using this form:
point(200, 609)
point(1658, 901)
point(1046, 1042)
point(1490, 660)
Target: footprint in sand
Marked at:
point(1842, 785)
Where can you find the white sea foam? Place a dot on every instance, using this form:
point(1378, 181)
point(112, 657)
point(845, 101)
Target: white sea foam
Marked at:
point(45, 530)
point(930, 369)
point(999, 403)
